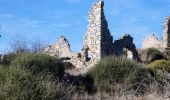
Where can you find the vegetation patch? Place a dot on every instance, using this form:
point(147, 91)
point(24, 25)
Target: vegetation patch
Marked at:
point(113, 70)
point(151, 54)
point(33, 76)
point(38, 63)
point(163, 65)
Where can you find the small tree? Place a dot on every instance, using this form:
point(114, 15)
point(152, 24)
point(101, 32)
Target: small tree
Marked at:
point(38, 46)
point(19, 46)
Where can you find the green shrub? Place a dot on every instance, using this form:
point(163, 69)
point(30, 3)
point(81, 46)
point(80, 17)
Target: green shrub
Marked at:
point(17, 83)
point(113, 70)
point(38, 63)
point(151, 54)
point(159, 69)
point(160, 65)
point(140, 83)
point(8, 58)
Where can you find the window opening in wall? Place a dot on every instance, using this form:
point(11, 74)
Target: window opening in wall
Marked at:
point(127, 53)
point(88, 55)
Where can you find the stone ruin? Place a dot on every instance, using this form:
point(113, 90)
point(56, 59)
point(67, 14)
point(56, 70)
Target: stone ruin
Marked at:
point(98, 42)
point(163, 44)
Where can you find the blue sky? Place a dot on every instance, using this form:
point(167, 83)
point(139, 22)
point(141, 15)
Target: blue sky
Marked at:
point(46, 20)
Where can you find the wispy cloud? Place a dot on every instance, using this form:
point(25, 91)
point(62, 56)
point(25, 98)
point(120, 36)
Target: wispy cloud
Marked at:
point(30, 23)
point(62, 25)
point(6, 15)
point(12, 24)
point(74, 1)
point(144, 17)
point(58, 15)
point(19, 21)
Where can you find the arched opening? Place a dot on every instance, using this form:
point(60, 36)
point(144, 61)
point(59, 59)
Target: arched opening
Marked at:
point(124, 53)
point(88, 55)
point(127, 53)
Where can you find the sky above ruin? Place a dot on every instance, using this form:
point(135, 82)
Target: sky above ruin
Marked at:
point(46, 20)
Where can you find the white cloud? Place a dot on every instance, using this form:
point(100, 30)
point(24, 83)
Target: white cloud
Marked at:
point(74, 1)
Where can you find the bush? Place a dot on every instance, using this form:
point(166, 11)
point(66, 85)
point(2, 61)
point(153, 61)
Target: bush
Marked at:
point(151, 54)
point(160, 65)
point(113, 70)
point(120, 75)
point(8, 58)
point(160, 69)
point(17, 83)
point(140, 83)
point(38, 63)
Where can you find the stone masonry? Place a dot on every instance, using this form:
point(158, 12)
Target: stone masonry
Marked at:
point(98, 42)
point(166, 32)
point(126, 42)
point(152, 42)
point(164, 43)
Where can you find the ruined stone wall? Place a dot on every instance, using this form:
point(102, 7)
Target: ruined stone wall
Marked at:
point(61, 49)
point(98, 40)
point(106, 38)
point(153, 42)
point(166, 32)
point(126, 42)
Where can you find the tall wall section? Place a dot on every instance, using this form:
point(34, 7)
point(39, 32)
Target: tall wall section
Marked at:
point(166, 32)
point(98, 40)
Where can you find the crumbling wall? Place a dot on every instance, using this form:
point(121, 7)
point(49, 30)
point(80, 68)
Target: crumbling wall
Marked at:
point(61, 49)
point(163, 44)
point(166, 32)
point(98, 42)
point(126, 41)
point(152, 42)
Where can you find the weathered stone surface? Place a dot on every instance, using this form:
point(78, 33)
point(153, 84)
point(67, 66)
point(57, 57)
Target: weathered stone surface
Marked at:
point(98, 43)
point(97, 34)
point(153, 42)
point(62, 50)
point(166, 32)
point(126, 41)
